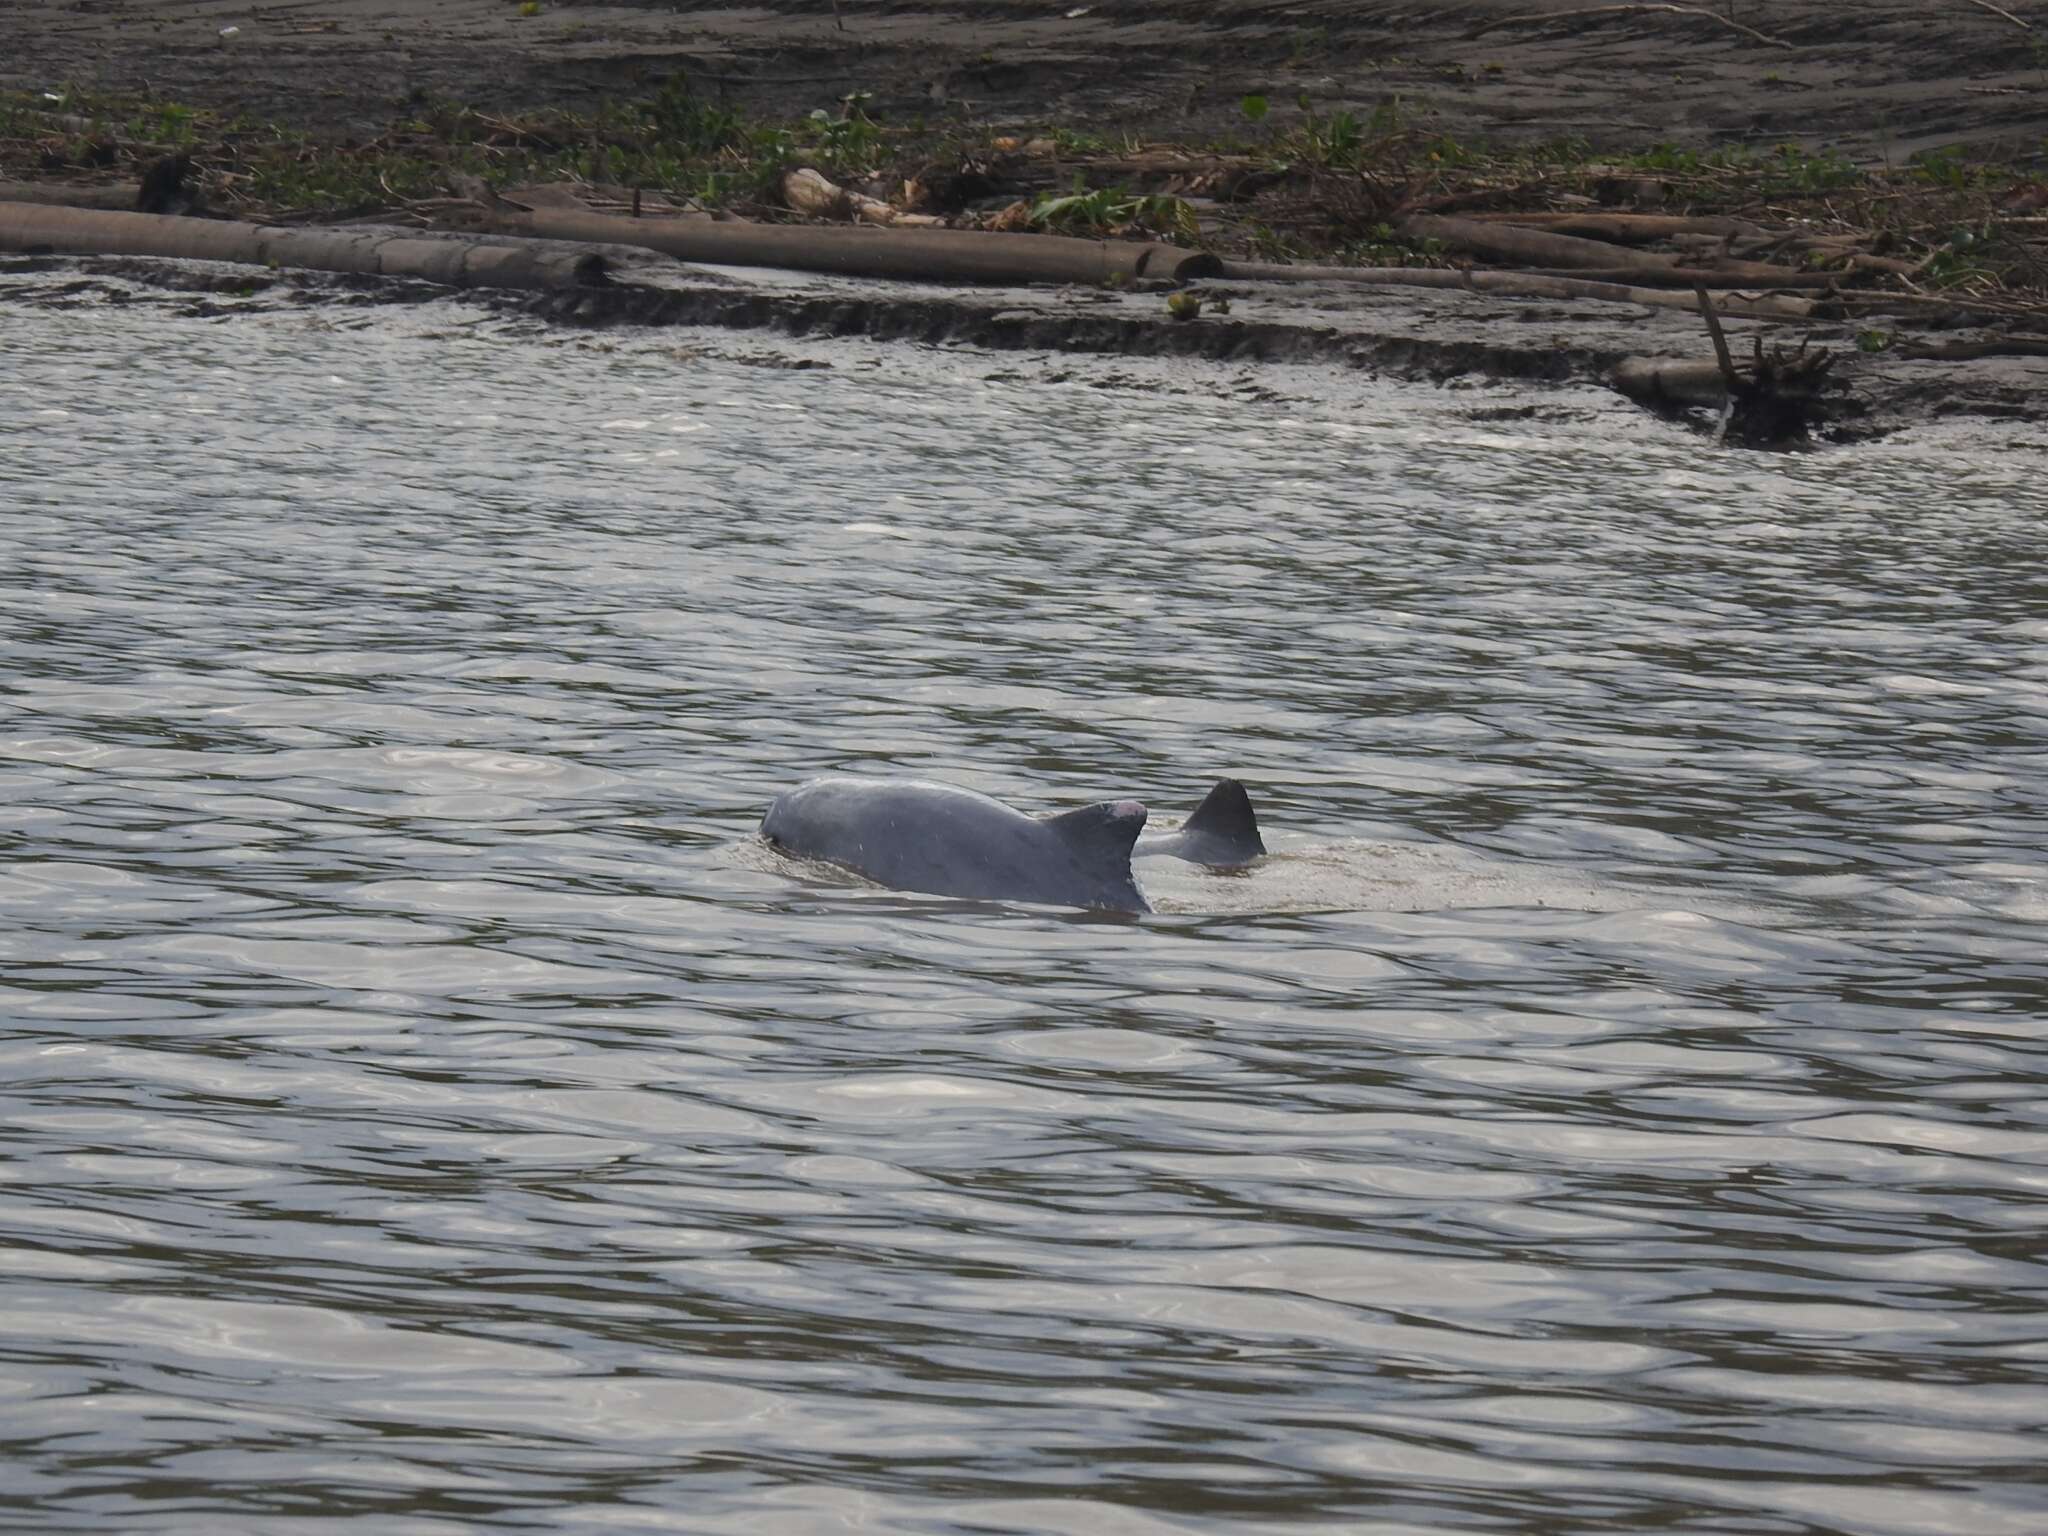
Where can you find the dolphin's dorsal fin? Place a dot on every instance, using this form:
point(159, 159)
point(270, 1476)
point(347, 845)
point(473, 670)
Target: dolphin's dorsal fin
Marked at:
point(1100, 838)
point(1111, 825)
point(1226, 816)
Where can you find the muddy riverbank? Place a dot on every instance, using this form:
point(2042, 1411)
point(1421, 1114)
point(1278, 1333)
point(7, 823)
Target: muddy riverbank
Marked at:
point(1914, 142)
point(1872, 80)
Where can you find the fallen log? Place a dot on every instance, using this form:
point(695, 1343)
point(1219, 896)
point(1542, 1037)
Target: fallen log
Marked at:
point(1964, 309)
point(1845, 250)
point(1519, 285)
point(1971, 351)
point(1656, 381)
point(1771, 400)
point(1525, 247)
point(120, 195)
point(1600, 260)
point(913, 255)
point(164, 188)
point(1727, 274)
point(41, 230)
point(623, 263)
point(1622, 228)
point(1766, 403)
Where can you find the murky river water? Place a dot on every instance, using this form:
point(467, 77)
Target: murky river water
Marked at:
point(1620, 1104)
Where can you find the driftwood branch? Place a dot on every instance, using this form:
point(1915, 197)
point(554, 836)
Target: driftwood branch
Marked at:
point(1517, 284)
point(1970, 351)
point(165, 188)
point(1986, 5)
point(808, 193)
point(1624, 228)
point(1720, 339)
point(1537, 18)
point(1668, 381)
point(1601, 260)
point(115, 196)
point(1529, 247)
point(912, 255)
point(1744, 274)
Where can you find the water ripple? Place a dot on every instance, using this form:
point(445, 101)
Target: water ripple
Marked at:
point(1617, 1104)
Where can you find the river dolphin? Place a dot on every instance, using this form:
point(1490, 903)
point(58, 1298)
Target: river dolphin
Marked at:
point(916, 835)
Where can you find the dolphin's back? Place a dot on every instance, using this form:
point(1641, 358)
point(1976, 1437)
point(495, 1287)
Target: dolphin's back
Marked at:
point(915, 835)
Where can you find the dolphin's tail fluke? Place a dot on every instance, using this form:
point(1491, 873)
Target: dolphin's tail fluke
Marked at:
point(1224, 828)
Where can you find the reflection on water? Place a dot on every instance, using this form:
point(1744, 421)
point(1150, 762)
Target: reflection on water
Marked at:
point(1619, 1106)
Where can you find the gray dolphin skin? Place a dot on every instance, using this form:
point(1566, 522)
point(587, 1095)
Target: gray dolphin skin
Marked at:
point(915, 835)
point(1223, 833)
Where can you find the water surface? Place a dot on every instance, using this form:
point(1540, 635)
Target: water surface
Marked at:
point(1619, 1105)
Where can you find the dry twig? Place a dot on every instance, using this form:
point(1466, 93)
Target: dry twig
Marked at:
point(1986, 5)
point(1535, 18)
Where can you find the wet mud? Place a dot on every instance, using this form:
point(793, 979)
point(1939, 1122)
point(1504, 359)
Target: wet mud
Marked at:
point(1471, 349)
point(1876, 80)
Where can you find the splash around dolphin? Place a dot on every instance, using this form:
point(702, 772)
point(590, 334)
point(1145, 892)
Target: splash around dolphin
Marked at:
point(917, 835)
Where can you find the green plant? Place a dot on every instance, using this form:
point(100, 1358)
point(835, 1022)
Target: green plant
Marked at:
point(1665, 157)
point(1254, 108)
point(1961, 259)
point(1387, 119)
point(1108, 209)
point(1449, 152)
point(1326, 141)
point(1263, 241)
point(1795, 170)
point(1381, 246)
point(1304, 41)
point(1947, 168)
point(1338, 140)
point(690, 123)
point(1081, 211)
point(170, 124)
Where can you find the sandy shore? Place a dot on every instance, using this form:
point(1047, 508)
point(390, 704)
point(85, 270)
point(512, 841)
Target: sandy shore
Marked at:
point(1875, 80)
